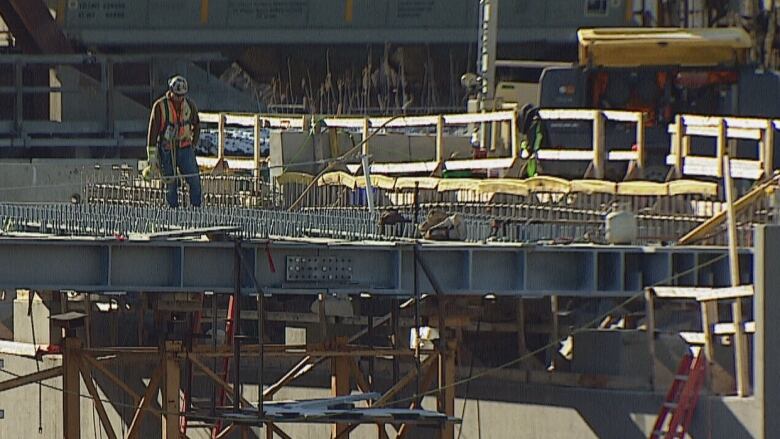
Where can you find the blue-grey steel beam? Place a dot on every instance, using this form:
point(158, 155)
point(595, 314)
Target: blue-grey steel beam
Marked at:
point(352, 268)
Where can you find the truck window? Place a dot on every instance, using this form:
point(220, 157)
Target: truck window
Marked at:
point(595, 8)
point(662, 93)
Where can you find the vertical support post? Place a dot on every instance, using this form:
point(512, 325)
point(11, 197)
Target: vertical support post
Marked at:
point(141, 311)
point(88, 319)
point(506, 135)
point(258, 130)
point(261, 344)
point(720, 146)
point(740, 338)
point(339, 382)
point(371, 359)
point(396, 327)
point(486, 51)
point(417, 298)
point(237, 328)
point(768, 148)
point(677, 146)
point(686, 144)
point(446, 397)
point(369, 187)
point(416, 214)
point(640, 143)
point(221, 137)
point(213, 410)
point(186, 405)
point(71, 387)
point(522, 347)
point(709, 316)
point(366, 133)
point(110, 103)
point(19, 84)
point(493, 135)
point(113, 326)
point(599, 144)
point(554, 334)
point(171, 389)
point(440, 140)
point(650, 318)
point(483, 132)
point(513, 132)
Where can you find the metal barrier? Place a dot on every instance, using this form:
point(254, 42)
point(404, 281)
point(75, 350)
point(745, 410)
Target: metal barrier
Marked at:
point(725, 131)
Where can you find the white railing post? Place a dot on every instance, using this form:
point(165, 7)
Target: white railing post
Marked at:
point(221, 137)
point(513, 132)
point(640, 143)
point(366, 129)
point(493, 135)
point(767, 152)
point(258, 128)
point(677, 145)
point(720, 145)
point(440, 139)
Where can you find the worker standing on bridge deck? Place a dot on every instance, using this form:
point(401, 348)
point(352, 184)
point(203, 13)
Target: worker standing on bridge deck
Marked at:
point(174, 130)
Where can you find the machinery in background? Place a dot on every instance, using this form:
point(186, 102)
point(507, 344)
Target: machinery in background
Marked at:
point(661, 72)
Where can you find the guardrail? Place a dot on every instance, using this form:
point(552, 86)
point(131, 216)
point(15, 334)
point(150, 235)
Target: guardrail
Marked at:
point(597, 154)
point(256, 122)
point(725, 130)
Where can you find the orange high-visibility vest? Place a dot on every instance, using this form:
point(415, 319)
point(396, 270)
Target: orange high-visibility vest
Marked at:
point(176, 126)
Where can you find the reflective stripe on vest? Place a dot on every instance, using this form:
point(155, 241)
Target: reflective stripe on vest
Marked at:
point(175, 126)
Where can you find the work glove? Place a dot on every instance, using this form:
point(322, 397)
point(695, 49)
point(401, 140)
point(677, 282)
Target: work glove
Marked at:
point(151, 154)
point(152, 169)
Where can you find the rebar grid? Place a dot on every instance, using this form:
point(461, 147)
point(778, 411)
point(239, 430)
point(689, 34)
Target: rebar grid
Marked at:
point(127, 204)
point(126, 188)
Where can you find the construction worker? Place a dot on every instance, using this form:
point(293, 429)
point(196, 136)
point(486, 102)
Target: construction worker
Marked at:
point(534, 137)
point(174, 129)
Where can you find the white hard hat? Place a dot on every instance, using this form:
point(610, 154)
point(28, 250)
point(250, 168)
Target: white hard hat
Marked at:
point(178, 85)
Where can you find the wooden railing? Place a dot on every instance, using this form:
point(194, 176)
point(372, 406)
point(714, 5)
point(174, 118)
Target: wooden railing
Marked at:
point(256, 122)
point(726, 131)
point(597, 154)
